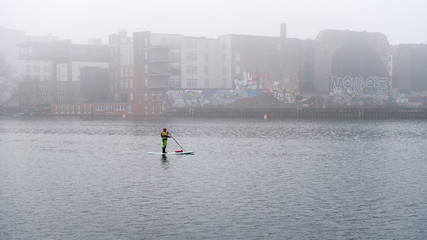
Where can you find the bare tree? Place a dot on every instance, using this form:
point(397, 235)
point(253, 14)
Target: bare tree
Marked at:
point(7, 81)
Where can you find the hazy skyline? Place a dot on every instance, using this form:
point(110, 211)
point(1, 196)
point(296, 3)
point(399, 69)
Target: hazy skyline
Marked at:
point(400, 21)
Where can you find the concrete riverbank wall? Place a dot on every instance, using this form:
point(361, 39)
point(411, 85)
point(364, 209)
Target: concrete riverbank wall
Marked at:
point(303, 113)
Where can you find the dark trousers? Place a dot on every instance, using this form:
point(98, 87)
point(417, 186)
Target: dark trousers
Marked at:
point(165, 142)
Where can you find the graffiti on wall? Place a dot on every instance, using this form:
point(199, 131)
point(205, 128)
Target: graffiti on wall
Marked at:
point(257, 81)
point(200, 98)
point(251, 85)
point(376, 87)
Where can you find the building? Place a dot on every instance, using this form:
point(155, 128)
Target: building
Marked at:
point(56, 67)
point(9, 39)
point(348, 63)
point(170, 62)
point(410, 68)
point(121, 68)
point(150, 71)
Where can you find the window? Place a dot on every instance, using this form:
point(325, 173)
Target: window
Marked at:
point(224, 70)
point(191, 83)
point(145, 109)
point(191, 57)
point(206, 57)
point(153, 110)
point(140, 100)
point(224, 58)
point(207, 82)
point(146, 97)
point(206, 70)
point(153, 97)
point(237, 70)
point(159, 97)
point(191, 70)
point(237, 56)
point(191, 43)
point(109, 109)
point(36, 68)
point(177, 43)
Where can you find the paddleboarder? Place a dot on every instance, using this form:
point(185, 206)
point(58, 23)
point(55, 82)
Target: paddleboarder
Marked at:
point(165, 135)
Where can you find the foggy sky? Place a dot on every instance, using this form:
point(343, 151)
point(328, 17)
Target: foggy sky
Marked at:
point(401, 21)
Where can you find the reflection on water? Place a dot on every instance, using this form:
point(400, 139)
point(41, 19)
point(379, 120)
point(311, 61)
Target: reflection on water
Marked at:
point(249, 179)
point(165, 162)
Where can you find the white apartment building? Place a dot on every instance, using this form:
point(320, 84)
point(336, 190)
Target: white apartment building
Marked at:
point(178, 61)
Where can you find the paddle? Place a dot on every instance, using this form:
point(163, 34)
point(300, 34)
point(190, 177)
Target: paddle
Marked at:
point(176, 141)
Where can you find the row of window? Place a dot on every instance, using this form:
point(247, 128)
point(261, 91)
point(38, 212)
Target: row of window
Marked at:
point(153, 110)
point(73, 109)
point(61, 87)
point(192, 83)
point(110, 109)
point(124, 84)
point(153, 98)
point(192, 57)
point(38, 68)
point(126, 72)
point(175, 43)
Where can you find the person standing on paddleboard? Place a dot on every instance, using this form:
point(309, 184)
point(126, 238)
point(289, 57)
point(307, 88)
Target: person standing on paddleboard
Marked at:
point(165, 135)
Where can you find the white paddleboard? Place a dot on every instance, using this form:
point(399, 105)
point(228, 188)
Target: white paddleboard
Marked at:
point(173, 153)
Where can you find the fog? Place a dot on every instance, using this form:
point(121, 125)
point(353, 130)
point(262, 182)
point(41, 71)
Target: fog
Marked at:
point(78, 20)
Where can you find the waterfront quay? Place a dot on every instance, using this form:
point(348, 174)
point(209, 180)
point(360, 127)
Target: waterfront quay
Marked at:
point(303, 113)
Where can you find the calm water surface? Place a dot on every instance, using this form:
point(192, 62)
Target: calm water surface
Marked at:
point(249, 179)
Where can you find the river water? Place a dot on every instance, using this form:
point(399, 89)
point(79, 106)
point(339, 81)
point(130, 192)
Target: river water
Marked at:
point(249, 179)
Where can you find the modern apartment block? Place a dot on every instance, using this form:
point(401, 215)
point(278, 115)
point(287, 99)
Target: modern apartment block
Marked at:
point(170, 61)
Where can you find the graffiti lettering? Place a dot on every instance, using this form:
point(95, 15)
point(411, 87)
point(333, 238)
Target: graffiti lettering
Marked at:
point(376, 87)
point(257, 81)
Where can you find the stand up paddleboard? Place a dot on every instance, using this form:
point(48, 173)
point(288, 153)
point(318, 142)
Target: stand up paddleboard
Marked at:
point(173, 153)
